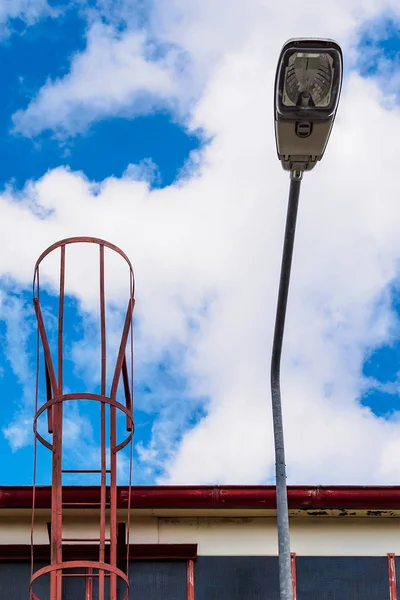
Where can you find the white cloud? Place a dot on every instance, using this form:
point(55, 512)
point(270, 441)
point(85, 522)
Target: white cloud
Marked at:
point(168, 63)
point(18, 328)
point(19, 432)
point(116, 72)
point(216, 238)
point(28, 10)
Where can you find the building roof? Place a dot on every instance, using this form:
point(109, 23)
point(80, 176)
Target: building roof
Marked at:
point(212, 497)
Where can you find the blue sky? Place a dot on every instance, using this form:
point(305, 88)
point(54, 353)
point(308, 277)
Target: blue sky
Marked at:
point(35, 54)
point(31, 56)
point(118, 122)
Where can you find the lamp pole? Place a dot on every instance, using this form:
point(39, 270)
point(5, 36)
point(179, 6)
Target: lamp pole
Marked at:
point(307, 90)
point(285, 572)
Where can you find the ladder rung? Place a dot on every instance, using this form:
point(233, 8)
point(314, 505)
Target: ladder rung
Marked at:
point(84, 574)
point(85, 471)
point(94, 504)
point(85, 540)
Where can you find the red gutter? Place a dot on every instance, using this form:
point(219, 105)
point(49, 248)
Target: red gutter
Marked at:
point(211, 497)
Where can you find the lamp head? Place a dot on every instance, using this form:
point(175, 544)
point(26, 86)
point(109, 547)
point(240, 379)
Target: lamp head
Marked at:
point(307, 90)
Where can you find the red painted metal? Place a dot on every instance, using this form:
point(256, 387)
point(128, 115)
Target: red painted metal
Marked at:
point(105, 563)
point(103, 457)
point(293, 565)
point(79, 564)
point(89, 583)
point(392, 576)
point(22, 552)
point(263, 497)
point(190, 579)
point(372, 498)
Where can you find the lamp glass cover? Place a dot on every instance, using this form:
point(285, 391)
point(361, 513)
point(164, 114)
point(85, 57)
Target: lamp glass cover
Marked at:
point(308, 80)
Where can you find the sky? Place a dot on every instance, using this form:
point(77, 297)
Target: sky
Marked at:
point(150, 125)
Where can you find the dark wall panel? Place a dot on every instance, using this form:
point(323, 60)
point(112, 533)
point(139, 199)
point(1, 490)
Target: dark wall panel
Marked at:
point(227, 578)
point(236, 578)
point(149, 580)
point(74, 587)
point(14, 581)
point(397, 564)
point(157, 580)
point(342, 578)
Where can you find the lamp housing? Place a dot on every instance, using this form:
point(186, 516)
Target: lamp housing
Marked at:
point(307, 91)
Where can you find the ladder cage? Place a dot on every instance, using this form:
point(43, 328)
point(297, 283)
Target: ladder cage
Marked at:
point(107, 577)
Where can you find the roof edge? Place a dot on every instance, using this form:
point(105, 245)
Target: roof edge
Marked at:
point(211, 497)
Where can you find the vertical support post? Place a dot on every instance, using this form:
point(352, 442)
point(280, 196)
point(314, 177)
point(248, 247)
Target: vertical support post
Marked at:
point(392, 576)
point(89, 584)
point(113, 445)
point(190, 579)
point(61, 321)
point(293, 565)
point(103, 465)
point(56, 500)
point(113, 490)
point(113, 501)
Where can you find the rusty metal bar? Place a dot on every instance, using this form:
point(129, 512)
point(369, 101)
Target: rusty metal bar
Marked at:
point(80, 539)
point(131, 295)
point(89, 584)
point(46, 347)
point(56, 508)
point(58, 411)
point(190, 579)
point(102, 421)
point(128, 525)
point(78, 564)
point(293, 568)
point(103, 325)
point(56, 512)
point(82, 504)
point(113, 501)
point(79, 240)
point(35, 446)
point(48, 397)
point(122, 347)
point(87, 575)
point(127, 391)
point(392, 576)
point(84, 471)
point(61, 321)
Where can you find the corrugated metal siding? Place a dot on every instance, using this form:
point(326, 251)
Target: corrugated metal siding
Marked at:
point(14, 582)
point(150, 580)
point(227, 578)
point(74, 587)
point(157, 580)
point(236, 578)
point(342, 577)
point(397, 563)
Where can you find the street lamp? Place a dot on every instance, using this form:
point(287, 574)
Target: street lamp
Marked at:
point(307, 89)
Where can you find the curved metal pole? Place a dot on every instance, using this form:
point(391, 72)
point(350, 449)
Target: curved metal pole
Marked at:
point(285, 573)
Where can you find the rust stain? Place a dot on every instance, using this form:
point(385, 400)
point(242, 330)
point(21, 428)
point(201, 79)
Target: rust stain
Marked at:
point(392, 576)
point(317, 513)
point(293, 569)
point(190, 579)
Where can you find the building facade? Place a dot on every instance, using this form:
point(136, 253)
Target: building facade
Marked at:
point(212, 543)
